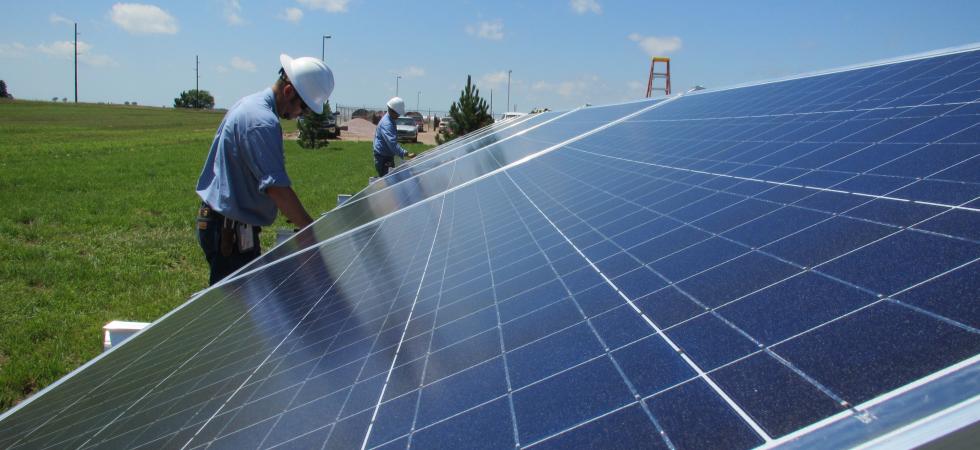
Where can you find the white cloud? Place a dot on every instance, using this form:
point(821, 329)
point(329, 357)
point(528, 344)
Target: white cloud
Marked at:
point(66, 50)
point(242, 64)
point(655, 45)
point(233, 12)
point(494, 79)
point(221, 69)
point(13, 50)
point(331, 6)
point(412, 72)
point(493, 31)
point(585, 6)
point(54, 18)
point(138, 18)
point(292, 15)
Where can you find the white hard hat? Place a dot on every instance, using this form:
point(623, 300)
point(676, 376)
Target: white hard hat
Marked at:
point(397, 104)
point(311, 78)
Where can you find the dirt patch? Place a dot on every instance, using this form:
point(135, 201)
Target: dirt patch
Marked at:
point(363, 130)
point(357, 129)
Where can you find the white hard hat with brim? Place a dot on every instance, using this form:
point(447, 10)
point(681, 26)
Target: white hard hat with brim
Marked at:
point(312, 79)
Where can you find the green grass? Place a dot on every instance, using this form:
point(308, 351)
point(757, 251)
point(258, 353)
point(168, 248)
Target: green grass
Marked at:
point(97, 223)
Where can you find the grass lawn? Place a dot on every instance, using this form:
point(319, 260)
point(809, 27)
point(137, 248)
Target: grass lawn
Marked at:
point(97, 223)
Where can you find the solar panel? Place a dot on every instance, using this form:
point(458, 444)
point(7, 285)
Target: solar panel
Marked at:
point(787, 263)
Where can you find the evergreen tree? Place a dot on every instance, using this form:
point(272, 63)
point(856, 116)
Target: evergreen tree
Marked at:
point(3, 90)
point(197, 99)
point(312, 127)
point(468, 114)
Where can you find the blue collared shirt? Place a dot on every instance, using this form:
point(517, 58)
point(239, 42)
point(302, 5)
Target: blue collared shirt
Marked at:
point(246, 158)
point(386, 139)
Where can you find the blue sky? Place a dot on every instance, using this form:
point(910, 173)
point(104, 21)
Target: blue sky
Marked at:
point(563, 53)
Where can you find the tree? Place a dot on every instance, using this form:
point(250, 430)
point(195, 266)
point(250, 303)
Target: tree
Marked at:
point(3, 90)
point(468, 114)
point(313, 128)
point(194, 98)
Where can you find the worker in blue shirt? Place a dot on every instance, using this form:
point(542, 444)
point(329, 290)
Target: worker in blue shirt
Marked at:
point(386, 146)
point(244, 183)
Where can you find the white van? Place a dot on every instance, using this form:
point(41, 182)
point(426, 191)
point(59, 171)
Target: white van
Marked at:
point(512, 115)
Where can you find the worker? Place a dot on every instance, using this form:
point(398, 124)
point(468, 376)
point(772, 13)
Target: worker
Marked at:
point(244, 183)
point(386, 138)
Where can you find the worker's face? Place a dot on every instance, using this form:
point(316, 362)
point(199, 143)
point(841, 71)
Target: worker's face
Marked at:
point(295, 107)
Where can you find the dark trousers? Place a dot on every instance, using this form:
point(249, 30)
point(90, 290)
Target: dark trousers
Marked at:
point(383, 164)
point(212, 228)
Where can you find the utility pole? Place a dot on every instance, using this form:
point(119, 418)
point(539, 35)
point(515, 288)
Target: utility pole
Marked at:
point(397, 77)
point(197, 74)
point(323, 46)
point(491, 103)
point(76, 62)
point(508, 89)
point(418, 99)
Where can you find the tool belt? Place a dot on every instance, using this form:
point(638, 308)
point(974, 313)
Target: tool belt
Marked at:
point(233, 236)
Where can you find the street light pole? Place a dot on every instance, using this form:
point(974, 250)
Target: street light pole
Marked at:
point(508, 89)
point(76, 62)
point(323, 46)
point(418, 99)
point(397, 77)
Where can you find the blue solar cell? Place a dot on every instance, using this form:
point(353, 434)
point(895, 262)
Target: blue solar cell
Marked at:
point(711, 342)
point(488, 427)
point(756, 381)
point(668, 306)
point(540, 323)
point(552, 354)
point(569, 398)
point(624, 429)
point(620, 326)
point(949, 295)
point(733, 279)
point(698, 258)
point(872, 355)
point(462, 391)
point(598, 299)
point(652, 365)
point(956, 222)
point(793, 306)
point(694, 416)
point(902, 260)
point(826, 240)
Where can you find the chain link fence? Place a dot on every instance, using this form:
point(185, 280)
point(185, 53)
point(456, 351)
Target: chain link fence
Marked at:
point(373, 113)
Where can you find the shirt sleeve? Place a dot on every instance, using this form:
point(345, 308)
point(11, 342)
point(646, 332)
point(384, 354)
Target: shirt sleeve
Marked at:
point(263, 154)
point(390, 137)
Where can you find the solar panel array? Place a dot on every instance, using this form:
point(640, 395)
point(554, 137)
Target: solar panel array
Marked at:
point(794, 262)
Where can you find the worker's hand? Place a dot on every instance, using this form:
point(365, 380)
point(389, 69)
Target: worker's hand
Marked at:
point(410, 156)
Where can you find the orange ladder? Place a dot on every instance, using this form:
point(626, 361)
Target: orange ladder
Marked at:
point(653, 75)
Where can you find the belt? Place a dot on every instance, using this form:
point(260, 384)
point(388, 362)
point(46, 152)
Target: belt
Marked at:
point(206, 212)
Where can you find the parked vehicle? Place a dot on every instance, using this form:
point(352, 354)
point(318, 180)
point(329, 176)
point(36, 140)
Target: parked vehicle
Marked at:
point(445, 123)
point(512, 115)
point(406, 129)
point(418, 119)
point(330, 126)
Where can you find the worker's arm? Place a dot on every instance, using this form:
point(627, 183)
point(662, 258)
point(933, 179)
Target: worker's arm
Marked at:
point(287, 202)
